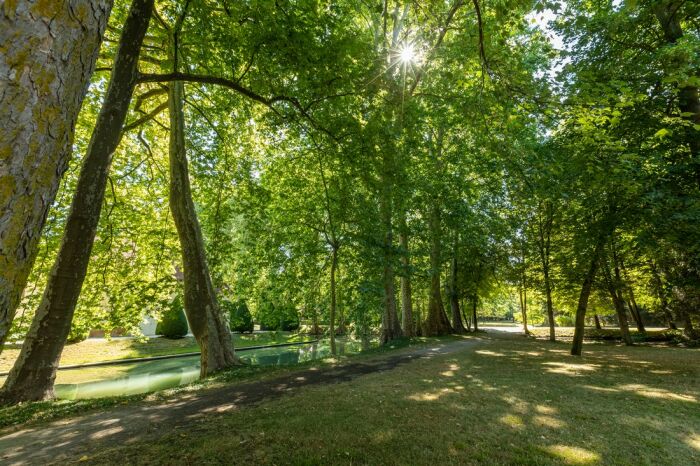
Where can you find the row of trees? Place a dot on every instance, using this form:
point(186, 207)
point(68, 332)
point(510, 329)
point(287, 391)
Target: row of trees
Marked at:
point(381, 165)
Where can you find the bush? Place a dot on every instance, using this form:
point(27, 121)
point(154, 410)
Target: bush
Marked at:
point(239, 317)
point(278, 317)
point(173, 323)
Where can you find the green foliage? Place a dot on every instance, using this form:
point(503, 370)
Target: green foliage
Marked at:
point(173, 322)
point(277, 316)
point(240, 318)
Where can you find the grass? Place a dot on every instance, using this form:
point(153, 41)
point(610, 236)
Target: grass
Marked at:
point(94, 350)
point(510, 400)
point(44, 411)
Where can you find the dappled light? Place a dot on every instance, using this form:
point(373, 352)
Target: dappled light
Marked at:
point(573, 455)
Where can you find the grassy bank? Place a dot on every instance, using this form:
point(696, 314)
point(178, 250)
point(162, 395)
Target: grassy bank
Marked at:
point(94, 350)
point(510, 400)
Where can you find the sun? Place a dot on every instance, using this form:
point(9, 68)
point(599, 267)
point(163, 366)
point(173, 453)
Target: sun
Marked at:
point(407, 54)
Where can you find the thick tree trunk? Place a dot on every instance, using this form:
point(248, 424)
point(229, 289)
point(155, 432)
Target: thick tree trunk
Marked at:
point(391, 329)
point(436, 323)
point(334, 265)
point(457, 323)
point(207, 323)
point(48, 55)
point(34, 371)
point(406, 298)
point(586, 286)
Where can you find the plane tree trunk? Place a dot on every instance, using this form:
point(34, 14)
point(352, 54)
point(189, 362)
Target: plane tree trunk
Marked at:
point(34, 372)
point(48, 55)
point(207, 323)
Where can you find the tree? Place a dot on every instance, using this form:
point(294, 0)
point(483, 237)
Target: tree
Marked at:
point(44, 73)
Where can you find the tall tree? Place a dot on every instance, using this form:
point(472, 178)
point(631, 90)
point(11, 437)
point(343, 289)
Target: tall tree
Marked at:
point(49, 53)
point(34, 372)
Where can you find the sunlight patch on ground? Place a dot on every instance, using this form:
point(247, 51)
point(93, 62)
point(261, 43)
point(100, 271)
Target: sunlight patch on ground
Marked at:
point(694, 441)
point(430, 396)
point(573, 455)
point(451, 371)
point(548, 421)
point(660, 393)
point(542, 409)
point(489, 353)
point(511, 420)
point(569, 369)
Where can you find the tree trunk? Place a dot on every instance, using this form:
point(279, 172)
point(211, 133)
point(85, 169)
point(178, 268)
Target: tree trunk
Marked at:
point(34, 372)
point(406, 298)
point(334, 265)
point(688, 96)
point(597, 322)
point(436, 323)
point(391, 329)
point(474, 319)
point(207, 323)
point(48, 55)
point(550, 308)
point(661, 294)
point(457, 323)
point(523, 309)
point(619, 304)
point(586, 286)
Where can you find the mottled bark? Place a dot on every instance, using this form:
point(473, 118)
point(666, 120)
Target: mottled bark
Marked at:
point(34, 372)
point(436, 322)
point(207, 323)
point(47, 54)
point(408, 325)
point(585, 293)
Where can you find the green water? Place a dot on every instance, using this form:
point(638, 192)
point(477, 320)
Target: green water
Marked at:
point(157, 375)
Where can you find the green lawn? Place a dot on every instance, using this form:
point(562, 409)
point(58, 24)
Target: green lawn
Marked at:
point(509, 400)
point(94, 350)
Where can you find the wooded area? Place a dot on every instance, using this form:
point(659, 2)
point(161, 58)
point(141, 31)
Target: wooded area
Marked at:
point(381, 170)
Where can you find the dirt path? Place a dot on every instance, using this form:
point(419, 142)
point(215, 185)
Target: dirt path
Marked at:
point(68, 439)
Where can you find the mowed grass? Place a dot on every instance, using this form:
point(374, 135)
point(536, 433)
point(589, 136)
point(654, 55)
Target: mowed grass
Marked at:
point(94, 350)
point(506, 400)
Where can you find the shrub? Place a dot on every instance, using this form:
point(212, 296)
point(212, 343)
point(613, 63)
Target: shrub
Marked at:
point(239, 317)
point(278, 317)
point(173, 323)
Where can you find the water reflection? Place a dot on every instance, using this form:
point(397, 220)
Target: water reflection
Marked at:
point(157, 375)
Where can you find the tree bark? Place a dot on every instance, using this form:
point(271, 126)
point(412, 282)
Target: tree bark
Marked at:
point(475, 302)
point(207, 323)
point(34, 372)
point(391, 329)
point(457, 323)
point(688, 96)
point(334, 265)
point(48, 55)
point(436, 323)
point(661, 294)
point(597, 322)
point(544, 227)
point(523, 309)
point(586, 286)
point(406, 298)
